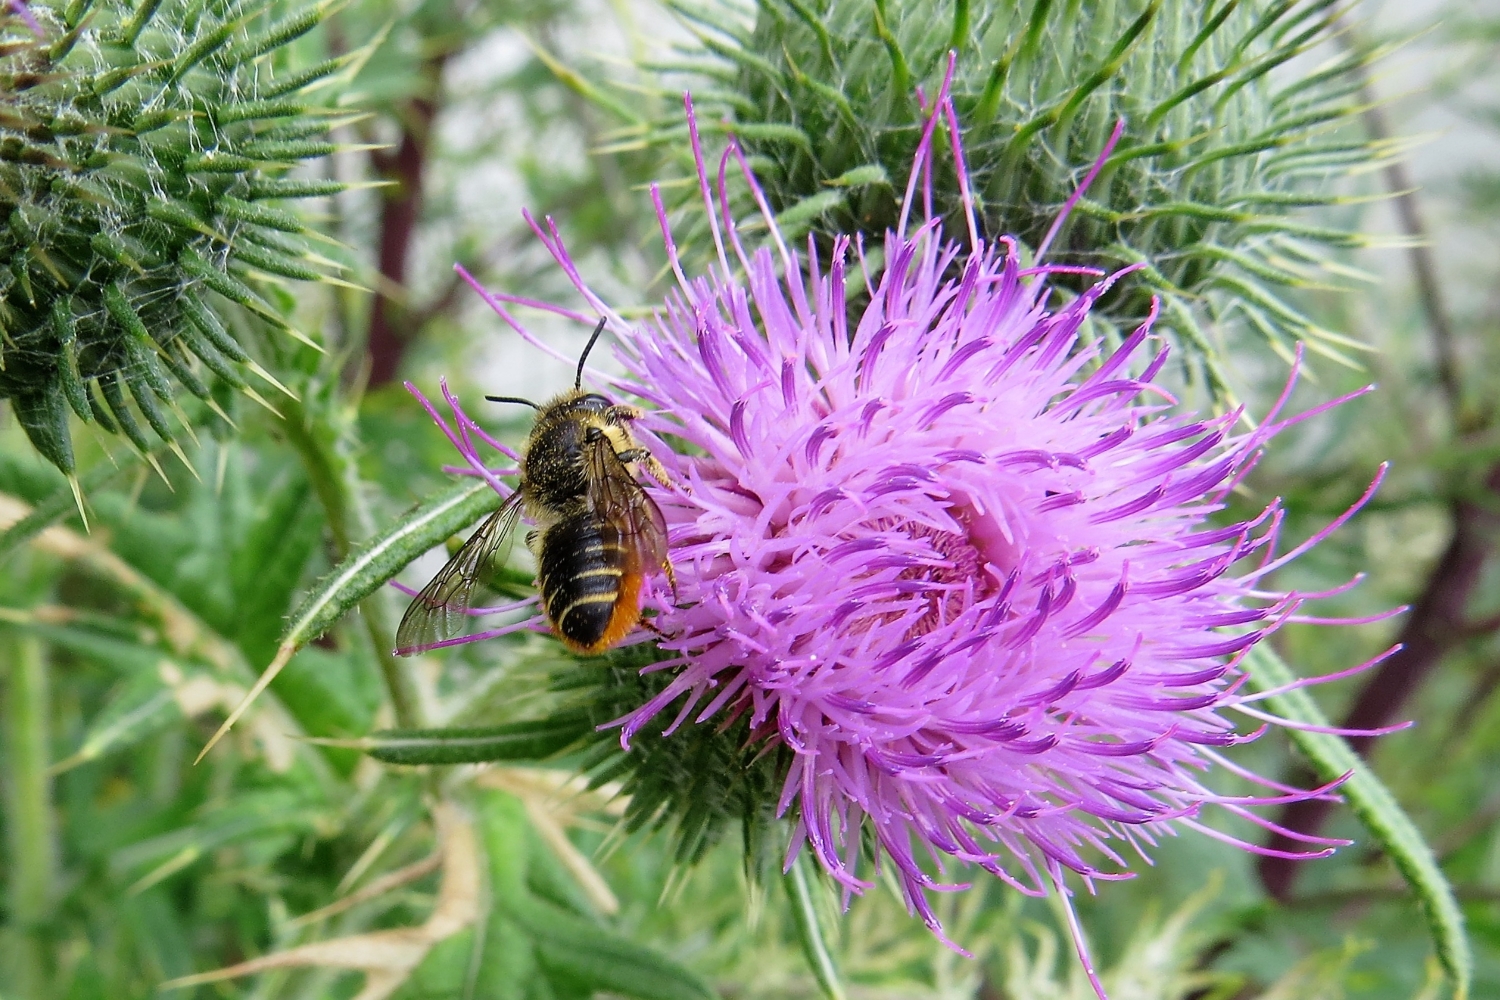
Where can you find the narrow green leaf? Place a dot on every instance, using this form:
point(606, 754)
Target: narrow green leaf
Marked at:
point(304, 78)
point(293, 188)
point(216, 162)
point(383, 556)
point(370, 566)
point(280, 33)
point(143, 707)
point(208, 324)
point(179, 367)
point(771, 133)
point(71, 380)
point(1377, 809)
point(110, 385)
point(143, 15)
point(287, 151)
point(260, 215)
point(709, 17)
point(273, 263)
point(800, 886)
point(226, 285)
point(208, 44)
point(529, 741)
point(241, 111)
point(872, 173)
point(209, 355)
point(44, 417)
point(602, 960)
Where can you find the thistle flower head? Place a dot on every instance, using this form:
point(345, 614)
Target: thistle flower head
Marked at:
point(143, 150)
point(955, 561)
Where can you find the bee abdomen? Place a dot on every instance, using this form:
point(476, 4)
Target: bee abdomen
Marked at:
point(580, 569)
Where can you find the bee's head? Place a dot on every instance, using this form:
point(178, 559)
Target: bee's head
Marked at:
point(592, 402)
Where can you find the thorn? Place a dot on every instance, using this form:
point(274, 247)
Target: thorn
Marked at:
point(262, 401)
point(329, 279)
point(317, 258)
point(300, 336)
point(358, 186)
point(187, 424)
point(177, 450)
point(255, 367)
point(283, 656)
point(151, 459)
point(67, 764)
point(78, 499)
point(222, 467)
point(213, 404)
point(361, 55)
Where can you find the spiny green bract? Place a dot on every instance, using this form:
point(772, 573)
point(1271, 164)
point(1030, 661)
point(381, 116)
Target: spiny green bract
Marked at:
point(142, 145)
point(702, 783)
point(1223, 138)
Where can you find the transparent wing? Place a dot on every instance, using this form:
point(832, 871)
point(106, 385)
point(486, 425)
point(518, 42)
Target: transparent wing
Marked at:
point(614, 493)
point(438, 612)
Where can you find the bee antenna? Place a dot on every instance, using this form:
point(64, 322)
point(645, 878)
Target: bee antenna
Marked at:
point(578, 382)
point(512, 399)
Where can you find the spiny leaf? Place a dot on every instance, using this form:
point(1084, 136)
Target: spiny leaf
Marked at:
point(369, 567)
point(1377, 809)
point(515, 741)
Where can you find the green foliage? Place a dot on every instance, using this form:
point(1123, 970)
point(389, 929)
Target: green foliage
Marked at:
point(378, 559)
point(530, 937)
point(143, 145)
point(517, 741)
point(1378, 810)
point(1220, 147)
point(701, 783)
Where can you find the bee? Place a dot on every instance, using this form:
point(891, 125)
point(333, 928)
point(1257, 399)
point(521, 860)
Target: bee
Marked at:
point(597, 534)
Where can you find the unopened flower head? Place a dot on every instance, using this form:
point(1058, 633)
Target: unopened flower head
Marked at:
point(956, 560)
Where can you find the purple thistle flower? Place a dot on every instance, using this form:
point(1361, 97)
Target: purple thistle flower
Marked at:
point(959, 562)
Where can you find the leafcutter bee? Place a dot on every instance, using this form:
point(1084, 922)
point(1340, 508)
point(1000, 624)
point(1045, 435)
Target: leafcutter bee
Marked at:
point(597, 534)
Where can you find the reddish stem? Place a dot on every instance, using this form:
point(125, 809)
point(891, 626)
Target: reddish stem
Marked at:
point(391, 325)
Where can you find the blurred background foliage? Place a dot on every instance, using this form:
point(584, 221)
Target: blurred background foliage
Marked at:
point(332, 875)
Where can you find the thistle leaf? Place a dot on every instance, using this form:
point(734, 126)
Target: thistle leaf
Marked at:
point(1378, 810)
point(516, 741)
point(369, 567)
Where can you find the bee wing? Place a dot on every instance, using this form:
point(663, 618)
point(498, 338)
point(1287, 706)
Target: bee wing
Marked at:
point(614, 492)
point(438, 612)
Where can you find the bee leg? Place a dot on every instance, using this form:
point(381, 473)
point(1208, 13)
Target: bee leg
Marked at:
point(645, 623)
point(654, 469)
point(620, 413)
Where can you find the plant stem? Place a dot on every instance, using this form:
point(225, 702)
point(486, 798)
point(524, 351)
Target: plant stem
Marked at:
point(28, 791)
point(327, 456)
point(1437, 625)
point(30, 823)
